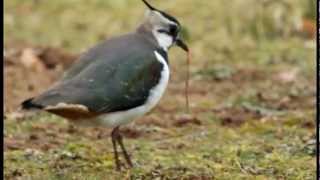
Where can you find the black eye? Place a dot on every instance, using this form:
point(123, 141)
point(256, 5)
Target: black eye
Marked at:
point(173, 29)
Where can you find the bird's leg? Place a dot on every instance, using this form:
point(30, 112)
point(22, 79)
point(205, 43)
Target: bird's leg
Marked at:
point(114, 137)
point(126, 155)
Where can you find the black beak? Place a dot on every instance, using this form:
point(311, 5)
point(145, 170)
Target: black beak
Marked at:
point(181, 44)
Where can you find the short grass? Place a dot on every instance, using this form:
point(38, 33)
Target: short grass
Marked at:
point(252, 90)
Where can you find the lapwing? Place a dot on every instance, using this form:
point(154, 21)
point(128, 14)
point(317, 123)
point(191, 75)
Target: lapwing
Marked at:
point(117, 81)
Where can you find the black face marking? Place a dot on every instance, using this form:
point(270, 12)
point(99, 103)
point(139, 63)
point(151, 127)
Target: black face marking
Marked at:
point(172, 31)
point(164, 31)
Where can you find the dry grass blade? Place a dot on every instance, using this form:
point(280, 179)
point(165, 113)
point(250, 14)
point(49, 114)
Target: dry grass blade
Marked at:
point(187, 82)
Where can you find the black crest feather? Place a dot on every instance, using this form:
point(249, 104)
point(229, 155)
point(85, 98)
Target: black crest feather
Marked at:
point(149, 5)
point(171, 18)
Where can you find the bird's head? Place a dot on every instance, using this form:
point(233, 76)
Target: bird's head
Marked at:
point(164, 27)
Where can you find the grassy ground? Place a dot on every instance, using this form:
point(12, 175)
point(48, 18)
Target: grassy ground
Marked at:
point(252, 94)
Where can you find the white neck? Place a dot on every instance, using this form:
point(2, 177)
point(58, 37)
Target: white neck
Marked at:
point(164, 40)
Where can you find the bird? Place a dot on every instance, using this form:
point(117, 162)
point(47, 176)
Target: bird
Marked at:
point(116, 81)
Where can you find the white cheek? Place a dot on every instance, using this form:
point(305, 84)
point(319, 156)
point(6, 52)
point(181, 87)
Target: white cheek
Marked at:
point(164, 40)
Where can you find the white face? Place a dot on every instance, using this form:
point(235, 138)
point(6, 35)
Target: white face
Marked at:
point(164, 40)
point(164, 30)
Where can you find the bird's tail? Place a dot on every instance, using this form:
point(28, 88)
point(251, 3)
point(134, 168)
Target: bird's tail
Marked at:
point(29, 104)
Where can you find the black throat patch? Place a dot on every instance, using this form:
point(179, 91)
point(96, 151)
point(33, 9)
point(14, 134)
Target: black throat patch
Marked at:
point(164, 54)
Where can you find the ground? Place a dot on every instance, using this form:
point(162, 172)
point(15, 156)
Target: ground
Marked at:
point(252, 93)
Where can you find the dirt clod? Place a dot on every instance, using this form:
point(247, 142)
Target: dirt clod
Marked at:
point(182, 120)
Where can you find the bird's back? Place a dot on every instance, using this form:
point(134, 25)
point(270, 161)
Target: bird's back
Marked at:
point(112, 51)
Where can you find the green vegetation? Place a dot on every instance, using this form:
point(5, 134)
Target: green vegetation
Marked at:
point(252, 94)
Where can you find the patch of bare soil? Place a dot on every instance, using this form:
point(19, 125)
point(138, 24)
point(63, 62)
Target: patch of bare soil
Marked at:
point(234, 117)
point(42, 136)
point(30, 70)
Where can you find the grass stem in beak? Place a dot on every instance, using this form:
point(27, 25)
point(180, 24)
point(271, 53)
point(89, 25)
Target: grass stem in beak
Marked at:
point(184, 46)
point(187, 81)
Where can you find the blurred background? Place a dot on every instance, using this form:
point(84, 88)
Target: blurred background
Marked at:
point(252, 90)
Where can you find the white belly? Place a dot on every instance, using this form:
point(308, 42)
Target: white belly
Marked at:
point(124, 117)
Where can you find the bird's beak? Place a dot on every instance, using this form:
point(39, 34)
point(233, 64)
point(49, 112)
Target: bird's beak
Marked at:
point(180, 43)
